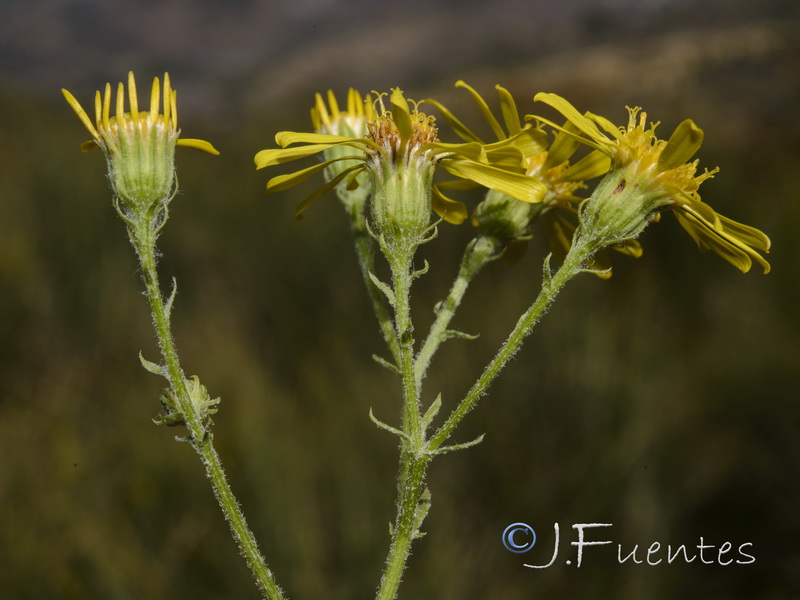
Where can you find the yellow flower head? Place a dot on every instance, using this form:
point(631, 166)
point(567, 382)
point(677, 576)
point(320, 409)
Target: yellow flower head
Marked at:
point(564, 180)
point(650, 175)
point(327, 118)
point(351, 122)
point(401, 134)
point(549, 164)
point(398, 137)
point(139, 145)
point(110, 129)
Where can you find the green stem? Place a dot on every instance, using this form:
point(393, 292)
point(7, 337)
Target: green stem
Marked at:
point(406, 527)
point(365, 250)
point(573, 264)
point(480, 251)
point(144, 242)
point(400, 261)
point(413, 460)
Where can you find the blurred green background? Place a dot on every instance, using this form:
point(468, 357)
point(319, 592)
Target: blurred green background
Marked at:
point(660, 401)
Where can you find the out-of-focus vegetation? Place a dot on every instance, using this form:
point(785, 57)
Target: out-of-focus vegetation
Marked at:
point(663, 401)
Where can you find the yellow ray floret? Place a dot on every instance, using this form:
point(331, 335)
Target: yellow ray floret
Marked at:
point(666, 167)
point(397, 135)
point(105, 131)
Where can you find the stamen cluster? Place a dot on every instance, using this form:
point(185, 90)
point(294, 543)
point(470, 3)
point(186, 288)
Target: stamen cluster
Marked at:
point(385, 133)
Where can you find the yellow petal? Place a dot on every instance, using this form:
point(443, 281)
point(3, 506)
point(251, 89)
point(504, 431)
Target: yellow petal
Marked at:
point(319, 114)
point(170, 103)
point(749, 235)
point(355, 106)
point(284, 182)
point(155, 98)
point(171, 112)
point(333, 104)
point(401, 114)
point(132, 98)
point(325, 188)
point(516, 185)
point(563, 147)
point(629, 247)
point(120, 102)
point(484, 108)
point(506, 157)
point(107, 107)
point(600, 266)
point(277, 156)
point(472, 150)
point(199, 144)
point(605, 124)
point(450, 210)
point(457, 184)
point(683, 144)
point(98, 108)
point(726, 246)
point(459, 128)
point(586, 126)
point(509, 110)
point(594, 164)
point(287, 138)
point(90, 145)
point(81, 113)
point(529, 141)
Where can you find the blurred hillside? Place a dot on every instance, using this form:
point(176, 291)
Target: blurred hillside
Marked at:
point(660, 400)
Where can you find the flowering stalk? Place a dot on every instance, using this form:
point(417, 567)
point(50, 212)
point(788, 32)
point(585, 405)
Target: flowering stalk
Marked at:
point(139, 147)
point(650, 176)
point(413, 458)
point(327, 118)
point(479, 252)
point(365, 252)
point(200, 437)
point(390, 163)
point(574, 263)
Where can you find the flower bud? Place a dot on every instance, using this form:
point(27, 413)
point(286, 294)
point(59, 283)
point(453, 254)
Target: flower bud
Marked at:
point(620, 207)
point(139, 147)
point(401, 199)
point(505, 219)
point(141, 155)
point(401, 169)
point(329, 119)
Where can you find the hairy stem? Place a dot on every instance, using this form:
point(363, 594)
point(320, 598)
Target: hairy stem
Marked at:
point(573, 264)
point(479, 252)
point(413, 460)
point(144, 242)
point(406, 526)
point(365, 250)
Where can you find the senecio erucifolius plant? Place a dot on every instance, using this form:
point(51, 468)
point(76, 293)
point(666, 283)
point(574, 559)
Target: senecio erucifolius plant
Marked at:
point(586, 184)
point(139, 147)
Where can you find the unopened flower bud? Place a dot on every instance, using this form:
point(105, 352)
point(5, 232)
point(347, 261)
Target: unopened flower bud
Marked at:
point(139, 146)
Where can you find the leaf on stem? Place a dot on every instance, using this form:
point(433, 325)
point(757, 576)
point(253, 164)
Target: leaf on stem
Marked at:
point(432, 411)
point(388, 428)
point(455, 447)
point(387, 291)
point(547, 272)
point(152, 367)
point(423, 506)
point(170, 300)
point(421, 272)
point(453, 333)
point(385, 363)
